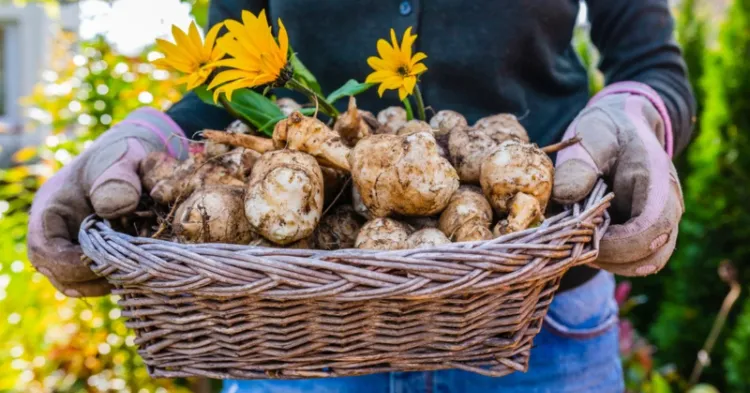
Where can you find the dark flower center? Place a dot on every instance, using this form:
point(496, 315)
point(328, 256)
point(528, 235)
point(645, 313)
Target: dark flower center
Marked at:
point(403, 70)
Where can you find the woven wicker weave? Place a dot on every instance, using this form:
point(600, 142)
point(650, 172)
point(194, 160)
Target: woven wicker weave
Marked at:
point(241, 312)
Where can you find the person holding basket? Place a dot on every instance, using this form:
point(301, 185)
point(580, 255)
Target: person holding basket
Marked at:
point(518, 58)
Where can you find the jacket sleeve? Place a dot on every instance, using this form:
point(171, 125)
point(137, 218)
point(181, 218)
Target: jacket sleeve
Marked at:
point(636, 41)
point(192, 114)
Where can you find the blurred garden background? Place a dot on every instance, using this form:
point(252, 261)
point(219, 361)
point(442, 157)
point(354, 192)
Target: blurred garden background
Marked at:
point(96, 69)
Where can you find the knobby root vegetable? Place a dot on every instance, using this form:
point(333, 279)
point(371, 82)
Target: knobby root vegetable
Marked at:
point(466, 214)
point(472, 232)
point(214, 148)
point(288, 105)
point(524, 212)
point(240, 160)
point(469, 146)
point(189, 175)
point(355, 124)
point(444, 122)
point(213, 215)
point(284, 198)
point(426, 238)
point(312, 136)
point(415, 126)
point(338, 229)
point(391, 119)
point(383, 234)
point(156, 167)
point(402, 174)
point(517, 180)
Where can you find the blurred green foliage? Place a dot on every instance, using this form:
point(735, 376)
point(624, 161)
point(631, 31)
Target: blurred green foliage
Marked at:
point(49, 342)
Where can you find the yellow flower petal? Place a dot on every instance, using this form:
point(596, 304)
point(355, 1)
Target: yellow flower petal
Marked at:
point(183, 42)
point(418, 69)
point(419, 56)
point(213, 32)
point(385, 50)
point(283, 40)
point(407, 43)
point(409, 83)
point(379, 76)
point(226, 76)
point(395, 68)
point(381, 90)
point(402, 94)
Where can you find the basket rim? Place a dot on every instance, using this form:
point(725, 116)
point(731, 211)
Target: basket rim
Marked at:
point(566, 239)
point(591, 205)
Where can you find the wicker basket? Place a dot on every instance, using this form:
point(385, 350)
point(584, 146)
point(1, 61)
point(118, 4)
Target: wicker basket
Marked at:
point(242, 312)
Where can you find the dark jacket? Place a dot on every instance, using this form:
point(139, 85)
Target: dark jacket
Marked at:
point(484, 56)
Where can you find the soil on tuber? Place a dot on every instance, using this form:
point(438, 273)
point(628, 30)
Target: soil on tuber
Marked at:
point(355, 124)
point(213, 215)
point(517, 180)
point(426, 238)
point(402, 174)
point(383, 234)
point(391, 119)
point(469, 146)
point(338, 229)
point(468, 215)
point(284, 197)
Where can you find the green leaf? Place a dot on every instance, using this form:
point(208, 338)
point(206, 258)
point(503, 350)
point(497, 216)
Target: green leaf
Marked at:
point(303, 74)
point(350, 88)
point(254, 107)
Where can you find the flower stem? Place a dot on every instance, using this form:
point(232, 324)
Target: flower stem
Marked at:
point(409, 111)
point(325, 106)
point(420, 103)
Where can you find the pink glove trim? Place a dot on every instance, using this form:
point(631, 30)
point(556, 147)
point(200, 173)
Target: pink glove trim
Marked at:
point(650, 94)
point(175, 129)
point(163, 116)
point(153, 129)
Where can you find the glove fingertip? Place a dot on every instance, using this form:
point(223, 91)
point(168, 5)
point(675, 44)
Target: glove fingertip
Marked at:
point(573, 181)
point(114, 198)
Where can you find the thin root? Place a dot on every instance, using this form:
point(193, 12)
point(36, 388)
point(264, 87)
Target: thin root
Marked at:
point(259, 144)
point(561, 145)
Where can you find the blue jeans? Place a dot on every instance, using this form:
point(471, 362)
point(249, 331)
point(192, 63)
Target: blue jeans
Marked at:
point(575, 352)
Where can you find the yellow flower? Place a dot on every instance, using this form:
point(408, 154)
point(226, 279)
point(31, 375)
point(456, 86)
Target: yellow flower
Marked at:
point(190, 55)
point(257, 59)
point(396, 68)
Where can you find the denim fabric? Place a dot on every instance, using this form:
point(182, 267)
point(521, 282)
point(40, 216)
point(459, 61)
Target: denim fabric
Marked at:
point(576, 352)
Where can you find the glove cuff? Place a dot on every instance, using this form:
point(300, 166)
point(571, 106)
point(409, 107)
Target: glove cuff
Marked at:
point(646, 91)
point(162, 126)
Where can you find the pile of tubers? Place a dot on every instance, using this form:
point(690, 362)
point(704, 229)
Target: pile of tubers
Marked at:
point(368, 181)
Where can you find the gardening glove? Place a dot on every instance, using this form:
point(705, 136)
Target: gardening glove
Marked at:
point(102, 180)
point(626, 138)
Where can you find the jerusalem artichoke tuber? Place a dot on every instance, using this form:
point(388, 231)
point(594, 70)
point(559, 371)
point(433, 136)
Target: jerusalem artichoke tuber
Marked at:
point(517, 180)
point(284, 198)
point(402, 174)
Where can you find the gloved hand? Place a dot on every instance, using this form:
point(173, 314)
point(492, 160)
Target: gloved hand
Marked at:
point(103, 179)
point(627, 139)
